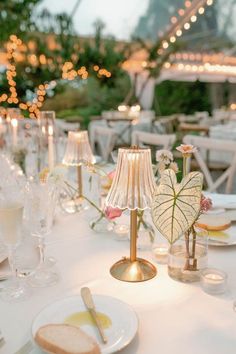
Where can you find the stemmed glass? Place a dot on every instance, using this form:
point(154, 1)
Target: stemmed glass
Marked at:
point(11, 216)
point(41, 203)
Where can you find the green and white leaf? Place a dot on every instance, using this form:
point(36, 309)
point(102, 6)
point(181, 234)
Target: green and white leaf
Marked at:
point(176, 206)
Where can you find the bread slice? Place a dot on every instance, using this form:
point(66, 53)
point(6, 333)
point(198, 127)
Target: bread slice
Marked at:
point(65, 339)
point(213, 222)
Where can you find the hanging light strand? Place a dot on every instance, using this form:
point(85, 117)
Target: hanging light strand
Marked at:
point(182, 22)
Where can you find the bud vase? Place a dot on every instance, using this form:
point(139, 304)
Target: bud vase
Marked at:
point(101, 224)
point(188, 256)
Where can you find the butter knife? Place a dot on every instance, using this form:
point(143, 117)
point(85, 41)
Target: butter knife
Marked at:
point(88, 301)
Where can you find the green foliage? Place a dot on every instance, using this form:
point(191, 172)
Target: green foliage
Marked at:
point(185, 97)
point(89, 99)
point(54, 39)
point(15, 18)
point(106, 97)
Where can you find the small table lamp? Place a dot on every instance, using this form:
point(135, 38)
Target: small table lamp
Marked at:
point(132, 188)
point(78, 152)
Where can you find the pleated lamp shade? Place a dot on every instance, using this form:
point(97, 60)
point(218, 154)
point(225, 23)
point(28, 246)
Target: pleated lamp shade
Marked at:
point(133, 184)
point(78, 150)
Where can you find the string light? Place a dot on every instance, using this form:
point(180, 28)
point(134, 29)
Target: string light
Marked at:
point(181, 12)
point(178, 33)
point(177, 24)
point(187, 3)
point(193, 18)
point(13, 46)
point(186, 26)
point(201, 10)
point(69, 73)
point(202, 63)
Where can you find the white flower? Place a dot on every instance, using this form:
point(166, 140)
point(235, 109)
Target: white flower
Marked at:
point(165, 156)
point(161, 167)
point(173, 166)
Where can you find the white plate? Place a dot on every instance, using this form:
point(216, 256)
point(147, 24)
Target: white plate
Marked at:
point(217, 238)
point(120, 334)
point(225, 201)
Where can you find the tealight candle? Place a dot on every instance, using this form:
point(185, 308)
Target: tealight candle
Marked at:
point(160, 253)
point(213, 281)
point(121, 232)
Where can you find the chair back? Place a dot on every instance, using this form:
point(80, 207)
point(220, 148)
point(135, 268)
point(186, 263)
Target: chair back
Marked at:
point(204, 147)
point(106, 139)
point(164, 141)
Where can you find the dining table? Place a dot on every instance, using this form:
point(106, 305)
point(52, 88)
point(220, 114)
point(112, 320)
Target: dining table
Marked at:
point(173, 317)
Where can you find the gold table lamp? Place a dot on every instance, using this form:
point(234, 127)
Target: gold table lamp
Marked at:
point(78, 152)
point(132, 188)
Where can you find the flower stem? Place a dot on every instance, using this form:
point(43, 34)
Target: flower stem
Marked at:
point(194, 248)
point(184, 166)
point(141, 221)
point(187, 265)
point(102, 214)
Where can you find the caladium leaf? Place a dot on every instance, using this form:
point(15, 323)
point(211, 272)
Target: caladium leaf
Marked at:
point(176, 206)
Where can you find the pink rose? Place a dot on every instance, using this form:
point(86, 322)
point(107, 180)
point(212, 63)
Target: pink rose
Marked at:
point(205, 204)
point(112, 213)
point(111, 174)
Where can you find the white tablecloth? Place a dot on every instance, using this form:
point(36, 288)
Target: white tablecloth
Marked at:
point(173, 317)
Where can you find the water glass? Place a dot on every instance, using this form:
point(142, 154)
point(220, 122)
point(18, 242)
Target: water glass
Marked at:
point(41, 202)
point(11, 216)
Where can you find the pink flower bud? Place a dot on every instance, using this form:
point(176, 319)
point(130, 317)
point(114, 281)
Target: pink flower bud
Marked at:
point(112, 213)
point(205, 204)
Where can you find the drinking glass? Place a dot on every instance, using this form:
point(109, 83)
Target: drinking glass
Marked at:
point(11, 216)
point(41, 203)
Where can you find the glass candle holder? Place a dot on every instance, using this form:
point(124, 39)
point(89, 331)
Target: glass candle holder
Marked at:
point(121, 232)
point(213, 281)
point(160, 252)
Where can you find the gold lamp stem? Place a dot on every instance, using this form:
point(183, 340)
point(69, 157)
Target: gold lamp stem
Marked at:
point(133, 235)
point(80, 183)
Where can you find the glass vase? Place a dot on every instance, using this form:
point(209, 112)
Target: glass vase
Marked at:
point(101, 224)
point(146, 233)
point(188, 256)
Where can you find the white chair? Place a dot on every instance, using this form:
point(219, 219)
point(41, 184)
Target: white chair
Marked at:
point(201, 115)
point(67, 126)
point(164, 141)
point(106, 139)
point(205, 145)
point(220, 115)
point(168, 123)
point(146, 115)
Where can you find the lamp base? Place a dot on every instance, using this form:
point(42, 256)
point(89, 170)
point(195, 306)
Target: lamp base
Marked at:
point(136, 271)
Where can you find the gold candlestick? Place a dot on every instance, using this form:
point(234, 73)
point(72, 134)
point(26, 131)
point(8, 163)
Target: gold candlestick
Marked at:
point(132, 188)
point(134, 234)
point(80, 181)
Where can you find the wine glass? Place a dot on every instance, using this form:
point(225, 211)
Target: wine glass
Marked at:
point(41, 203)
point(11, 216)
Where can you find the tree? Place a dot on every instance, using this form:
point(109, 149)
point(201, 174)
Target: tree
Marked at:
point(16, 17)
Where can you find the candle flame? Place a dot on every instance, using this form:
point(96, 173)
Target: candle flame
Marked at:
point(14, 122)
point(50, 130)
